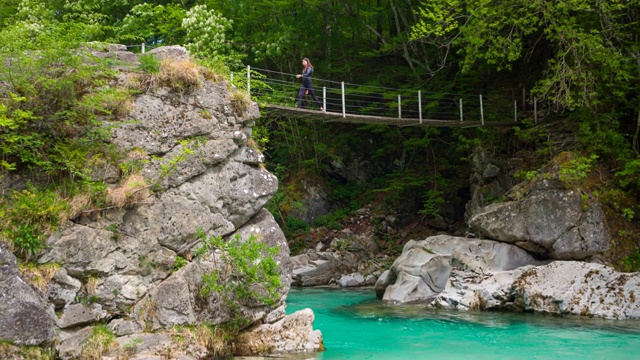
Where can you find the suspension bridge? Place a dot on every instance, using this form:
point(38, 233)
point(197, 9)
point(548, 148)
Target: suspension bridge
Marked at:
point(365, 104)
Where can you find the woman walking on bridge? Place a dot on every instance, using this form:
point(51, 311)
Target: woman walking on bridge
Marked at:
point(307, 85)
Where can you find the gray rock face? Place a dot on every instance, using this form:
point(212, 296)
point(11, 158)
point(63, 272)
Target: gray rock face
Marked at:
point(62, 290)
point(478, 254)
point(118, 265)
point(25, 317)
point(79, 314)
point(489, 180)
point(175, 301)
point(548, 221)
point(314, 203)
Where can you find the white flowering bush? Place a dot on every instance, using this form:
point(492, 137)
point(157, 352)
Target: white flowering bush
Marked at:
point(206, 36)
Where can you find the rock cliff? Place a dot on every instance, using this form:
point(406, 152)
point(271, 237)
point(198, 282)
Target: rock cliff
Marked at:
point(132, 267)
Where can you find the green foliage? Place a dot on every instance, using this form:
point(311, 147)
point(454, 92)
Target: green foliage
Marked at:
point(630, 263)
point(115, 229)
point(249, 273)
point(432, 199)
point(178, 263)
point(333, 219)
point(47, 123)
point(157, 24)
point(574, 172)
point(169, 167)
point(628, 213)
point(29, 216)
point(527, 175)
point(629, 176)
point(499, 35)
point(207, 33)
point(599, 134)
point(294, 225)
point(149, 64)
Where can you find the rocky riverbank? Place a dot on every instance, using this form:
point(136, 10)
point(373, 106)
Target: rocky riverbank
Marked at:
point(544, 248)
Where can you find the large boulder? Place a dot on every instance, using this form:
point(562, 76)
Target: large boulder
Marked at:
point(417, 275)
point(578, 288)
point(490, 275)
point(462, 263)
point(477, 254)
point(547, 220)
point(25, 316)
point(548, 215)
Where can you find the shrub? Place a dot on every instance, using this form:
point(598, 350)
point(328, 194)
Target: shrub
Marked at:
point(29, 217)
point(574, 172)
point(294, 224)
point(631, 262)
point(47, 123)
point(149, 64)
point(178, 263)
point(250, 272)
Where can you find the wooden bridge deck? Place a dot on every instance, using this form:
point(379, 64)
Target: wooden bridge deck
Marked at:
point(327, 117)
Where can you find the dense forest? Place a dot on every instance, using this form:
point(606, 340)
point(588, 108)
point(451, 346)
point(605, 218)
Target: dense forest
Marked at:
point(579, 59)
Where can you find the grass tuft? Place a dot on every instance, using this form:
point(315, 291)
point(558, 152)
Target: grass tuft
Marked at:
point(133, 190)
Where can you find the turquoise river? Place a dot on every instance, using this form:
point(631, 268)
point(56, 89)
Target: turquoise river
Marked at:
point(355, 325)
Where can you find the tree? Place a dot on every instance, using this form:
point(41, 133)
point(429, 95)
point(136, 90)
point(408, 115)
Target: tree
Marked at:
point(588, 48)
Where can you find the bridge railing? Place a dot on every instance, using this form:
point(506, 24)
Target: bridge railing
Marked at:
point(279, 88)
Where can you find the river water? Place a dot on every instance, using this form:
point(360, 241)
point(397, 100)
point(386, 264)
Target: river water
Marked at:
point(355, 325)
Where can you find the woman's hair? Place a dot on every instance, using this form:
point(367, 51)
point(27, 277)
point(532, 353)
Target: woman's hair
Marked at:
point(308, 64)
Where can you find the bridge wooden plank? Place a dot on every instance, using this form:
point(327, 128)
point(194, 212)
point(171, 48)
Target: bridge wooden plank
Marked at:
point(328, 117)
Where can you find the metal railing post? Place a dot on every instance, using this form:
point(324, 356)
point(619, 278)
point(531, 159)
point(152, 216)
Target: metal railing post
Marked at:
point(324, 98)
point(232, 76)
point(344, 106)
point(399, 107)
point(249, 80)
point(515, 111)
point(142, 48)
point(481, 111)
point(461, 116)
point(420, 105)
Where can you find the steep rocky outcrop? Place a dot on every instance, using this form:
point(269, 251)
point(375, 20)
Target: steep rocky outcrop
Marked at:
point(132, 266)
